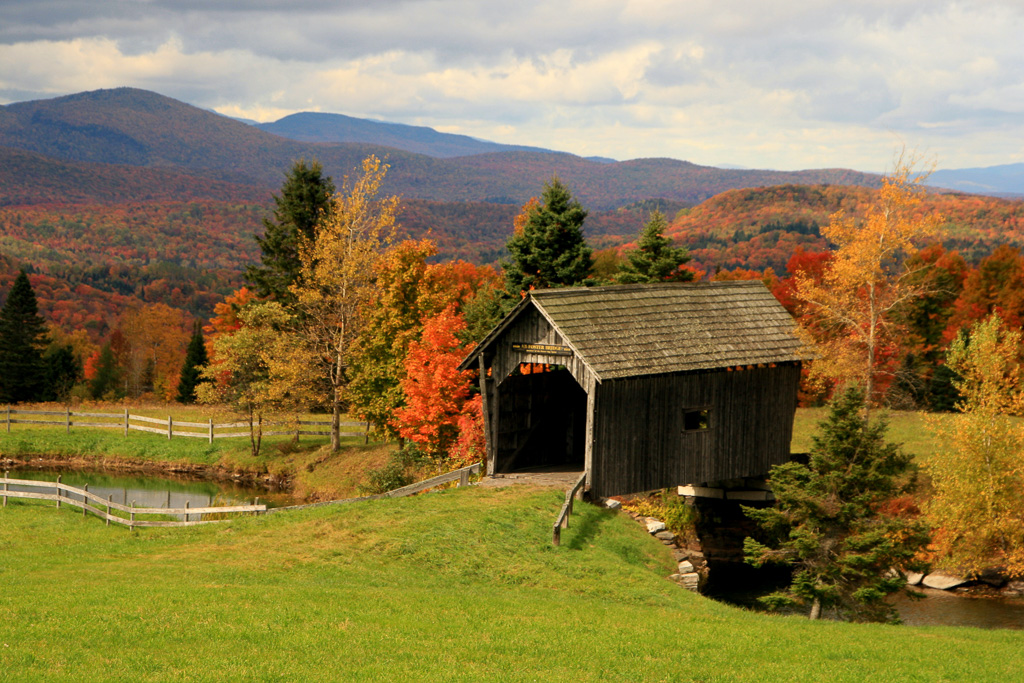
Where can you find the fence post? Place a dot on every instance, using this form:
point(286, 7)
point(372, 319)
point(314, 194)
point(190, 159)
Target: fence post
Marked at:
point(366, 436)
point(184, 516)
point(85, 499)
point(131, 518)
point(67, 420)
point(463, 478)
point(256, 502)
point(8, 419)
point(58, 490)
point(170, 424)
point(211, 430)
point(126, 422)
point(110, 499)
point(6, 475)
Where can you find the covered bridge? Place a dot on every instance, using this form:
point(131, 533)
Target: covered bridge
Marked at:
point(641, 386)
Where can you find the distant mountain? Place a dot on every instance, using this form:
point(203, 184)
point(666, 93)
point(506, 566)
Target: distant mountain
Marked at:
point(1006, 180)
point(317, 127)
point(137, 128)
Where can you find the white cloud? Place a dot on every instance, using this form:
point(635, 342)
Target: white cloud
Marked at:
point(784, 85)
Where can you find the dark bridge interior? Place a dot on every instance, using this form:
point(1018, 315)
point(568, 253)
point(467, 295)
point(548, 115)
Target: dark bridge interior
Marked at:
point(543, 421)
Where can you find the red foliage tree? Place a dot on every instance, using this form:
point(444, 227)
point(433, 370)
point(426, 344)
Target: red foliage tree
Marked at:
point(437, 392)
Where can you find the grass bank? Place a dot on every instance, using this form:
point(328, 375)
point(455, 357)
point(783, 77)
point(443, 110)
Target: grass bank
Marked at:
point(459, 585)
point(906, 427)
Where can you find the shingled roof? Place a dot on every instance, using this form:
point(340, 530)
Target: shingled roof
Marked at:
point(631, 330)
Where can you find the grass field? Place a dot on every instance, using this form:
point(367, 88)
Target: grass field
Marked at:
point(909, 428)
point(459, 585)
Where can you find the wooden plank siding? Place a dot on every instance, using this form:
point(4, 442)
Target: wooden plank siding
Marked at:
point(531, 327)
point(639, 439)
point(639, 357)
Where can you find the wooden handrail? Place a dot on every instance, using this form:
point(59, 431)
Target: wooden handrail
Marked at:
point(562, 521)
point(462, 474)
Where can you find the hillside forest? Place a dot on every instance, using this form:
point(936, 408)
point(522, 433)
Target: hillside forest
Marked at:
point(337, 297)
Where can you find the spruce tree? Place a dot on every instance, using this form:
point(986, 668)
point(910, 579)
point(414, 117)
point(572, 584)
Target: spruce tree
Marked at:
point(305, 196)
point(550, 251)
point(107, 381)
point(62, 369)
point(195, 360)
point(22, 340)
point(830, 521)
point(654, 259)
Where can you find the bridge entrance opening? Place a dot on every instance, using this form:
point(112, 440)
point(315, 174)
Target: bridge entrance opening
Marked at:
point(543, 419)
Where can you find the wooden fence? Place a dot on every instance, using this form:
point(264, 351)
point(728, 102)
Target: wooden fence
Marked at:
point(169, 426)
point(562, 521)
point(462, 475)
point(66, 495)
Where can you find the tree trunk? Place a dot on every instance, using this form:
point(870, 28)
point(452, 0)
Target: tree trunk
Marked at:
point(335, 427)
point(816, 609)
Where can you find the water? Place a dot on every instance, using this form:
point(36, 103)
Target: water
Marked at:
point(743, 585)
point(942, 608)
point(155, 491)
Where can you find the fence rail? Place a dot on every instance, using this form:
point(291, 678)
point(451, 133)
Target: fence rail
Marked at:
point(172, 428)
point(64, 494)
point(462, 475)
point(562, 521)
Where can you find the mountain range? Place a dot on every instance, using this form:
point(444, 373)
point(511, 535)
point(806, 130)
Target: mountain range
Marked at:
point(134, 129)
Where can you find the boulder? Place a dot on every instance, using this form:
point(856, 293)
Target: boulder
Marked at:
point(914, 578)
point(1014, 588)
point(654, 525)
point(612, 504)
point(685, 567)
point(943, 581)
point(665, 536)
point(691, 580)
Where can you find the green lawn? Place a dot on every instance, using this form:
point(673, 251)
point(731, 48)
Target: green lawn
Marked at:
point(906, 427)
point(459, 585)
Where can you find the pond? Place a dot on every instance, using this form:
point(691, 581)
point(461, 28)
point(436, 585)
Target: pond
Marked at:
point(937, 608)
point(157, 491)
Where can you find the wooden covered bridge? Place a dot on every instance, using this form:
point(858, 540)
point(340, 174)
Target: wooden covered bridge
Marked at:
point(641, 386)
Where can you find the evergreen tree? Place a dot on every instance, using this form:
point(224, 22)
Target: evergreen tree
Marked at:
point(655, 259)
point(22, 340)
point(829, 517)
point(107, 380)
point(195, 359)
point(550, 250)
point(305, 197)
point(62, 369)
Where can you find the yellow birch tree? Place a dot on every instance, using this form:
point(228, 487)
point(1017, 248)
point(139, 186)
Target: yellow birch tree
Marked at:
point(978, 472)
point(336, 286)
point(852, 308)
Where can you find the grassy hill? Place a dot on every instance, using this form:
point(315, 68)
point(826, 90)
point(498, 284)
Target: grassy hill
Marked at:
point(461, 585)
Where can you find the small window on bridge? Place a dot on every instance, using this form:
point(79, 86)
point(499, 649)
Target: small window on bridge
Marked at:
point(697, 419)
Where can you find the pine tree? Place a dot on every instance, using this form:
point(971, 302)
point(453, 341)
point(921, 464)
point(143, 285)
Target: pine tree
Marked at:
point(550, 250)
point(305, 197)
point(847, 553)
point(62, 369)
point(195, 359)
point(107, 380)
point(22, 340)
point(654, 259)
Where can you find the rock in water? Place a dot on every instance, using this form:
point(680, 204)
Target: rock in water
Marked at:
point(943, 581)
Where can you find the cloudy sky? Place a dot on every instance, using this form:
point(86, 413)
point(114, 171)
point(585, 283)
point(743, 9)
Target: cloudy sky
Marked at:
point(786, 84)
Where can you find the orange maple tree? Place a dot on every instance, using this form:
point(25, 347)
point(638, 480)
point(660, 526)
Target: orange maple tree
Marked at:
point(437, 393)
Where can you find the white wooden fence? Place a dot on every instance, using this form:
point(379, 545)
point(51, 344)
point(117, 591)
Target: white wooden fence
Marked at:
point(170, 427)
point(105, 507)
